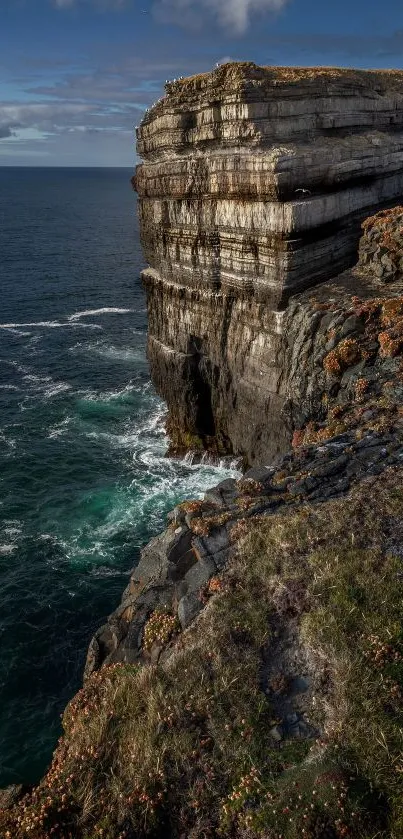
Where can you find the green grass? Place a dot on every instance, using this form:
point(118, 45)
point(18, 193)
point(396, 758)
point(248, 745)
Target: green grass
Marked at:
point(183, 749)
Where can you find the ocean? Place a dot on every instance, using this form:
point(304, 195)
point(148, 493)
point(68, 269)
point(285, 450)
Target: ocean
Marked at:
point(84, 480)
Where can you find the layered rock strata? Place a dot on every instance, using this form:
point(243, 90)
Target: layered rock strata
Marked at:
point(344, 359)
point(254, 184)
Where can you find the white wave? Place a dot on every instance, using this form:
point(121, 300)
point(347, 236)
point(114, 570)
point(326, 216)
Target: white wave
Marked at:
point(108, 395)
point(124, 441)
point(18, 367)
point(110, 310)
point(189, 458)
point(55, 389)
point(46, 385)
point(32, 377)
point(9, 387)
point(9, 536)
point(170, 485)
point(93, 543)
point(8, 441)
point(12, 532)
point(227, 462)
point(156, 422)
point(13, 331)
point(110, 352)
point(59, 429)
point(49, 324)
point(7, 549)
point(234, 464)
point(145, 438)
point(193, 460)
point(118, 354)
point(155, 460)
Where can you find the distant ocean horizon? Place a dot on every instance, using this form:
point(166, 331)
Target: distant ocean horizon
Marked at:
point(84, 480)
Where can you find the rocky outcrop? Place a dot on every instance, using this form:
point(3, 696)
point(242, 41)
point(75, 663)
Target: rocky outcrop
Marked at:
point(269, 610)
point(343, 357)
point(381, 245)
point(253, 187)
point(252, 367)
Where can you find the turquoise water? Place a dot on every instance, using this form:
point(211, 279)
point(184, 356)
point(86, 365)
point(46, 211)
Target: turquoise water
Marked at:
point(84, 481)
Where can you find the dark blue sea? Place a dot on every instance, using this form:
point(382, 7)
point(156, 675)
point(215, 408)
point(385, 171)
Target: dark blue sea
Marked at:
point(84, 481)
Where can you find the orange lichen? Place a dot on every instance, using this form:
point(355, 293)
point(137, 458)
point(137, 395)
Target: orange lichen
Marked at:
point(348, 352)
point(298, 438)
point(389, 346)
point(331, 363)
point(360, 388)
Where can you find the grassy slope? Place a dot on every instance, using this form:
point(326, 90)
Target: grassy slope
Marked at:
point(183, 749)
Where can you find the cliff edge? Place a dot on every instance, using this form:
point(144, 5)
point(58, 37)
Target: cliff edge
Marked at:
point(250, 684)
point(254, 184)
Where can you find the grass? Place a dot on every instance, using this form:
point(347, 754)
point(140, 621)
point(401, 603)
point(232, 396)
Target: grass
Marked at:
point(183, 749)
point(235, 73)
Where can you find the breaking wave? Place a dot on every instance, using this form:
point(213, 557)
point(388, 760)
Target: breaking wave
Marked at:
point(107, 310)
point(48, 324)
point(85, 480)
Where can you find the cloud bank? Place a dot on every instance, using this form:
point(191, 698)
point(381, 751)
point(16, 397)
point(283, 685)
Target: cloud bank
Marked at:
point(232, 15)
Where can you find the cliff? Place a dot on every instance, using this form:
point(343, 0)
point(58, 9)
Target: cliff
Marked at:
point(254, 184)
point(342, 354)
point(250, 684)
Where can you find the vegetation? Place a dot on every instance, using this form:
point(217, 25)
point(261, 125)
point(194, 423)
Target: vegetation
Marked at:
point(160, 628)
point(378, 396)
point(235, 73)
point(184, 748)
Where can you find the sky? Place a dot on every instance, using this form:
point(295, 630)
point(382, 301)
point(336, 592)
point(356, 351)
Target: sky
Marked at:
point(77, 75)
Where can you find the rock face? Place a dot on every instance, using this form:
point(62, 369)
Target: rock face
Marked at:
point(254, 184)
point(381, 245)
point(343, 354)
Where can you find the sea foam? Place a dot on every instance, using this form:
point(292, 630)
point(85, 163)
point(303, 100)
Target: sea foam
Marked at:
point(48, 324)
point(107, 310)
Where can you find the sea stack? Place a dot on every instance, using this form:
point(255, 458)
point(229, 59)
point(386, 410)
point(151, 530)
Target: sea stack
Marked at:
point(253, 188)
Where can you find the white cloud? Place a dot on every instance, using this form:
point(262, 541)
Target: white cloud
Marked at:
point(232, 15)
point(58, 118)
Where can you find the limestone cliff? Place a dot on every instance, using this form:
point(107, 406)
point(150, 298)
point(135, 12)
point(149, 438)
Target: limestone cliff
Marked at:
point(342, 354)
point(254, 184)
point(250, 684)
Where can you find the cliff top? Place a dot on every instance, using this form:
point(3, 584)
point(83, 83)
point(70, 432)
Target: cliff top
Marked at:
point(236, 74)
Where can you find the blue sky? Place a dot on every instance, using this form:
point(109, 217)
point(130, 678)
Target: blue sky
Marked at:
point(76, 75)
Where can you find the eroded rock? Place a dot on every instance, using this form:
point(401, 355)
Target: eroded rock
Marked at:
point(254, 184)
